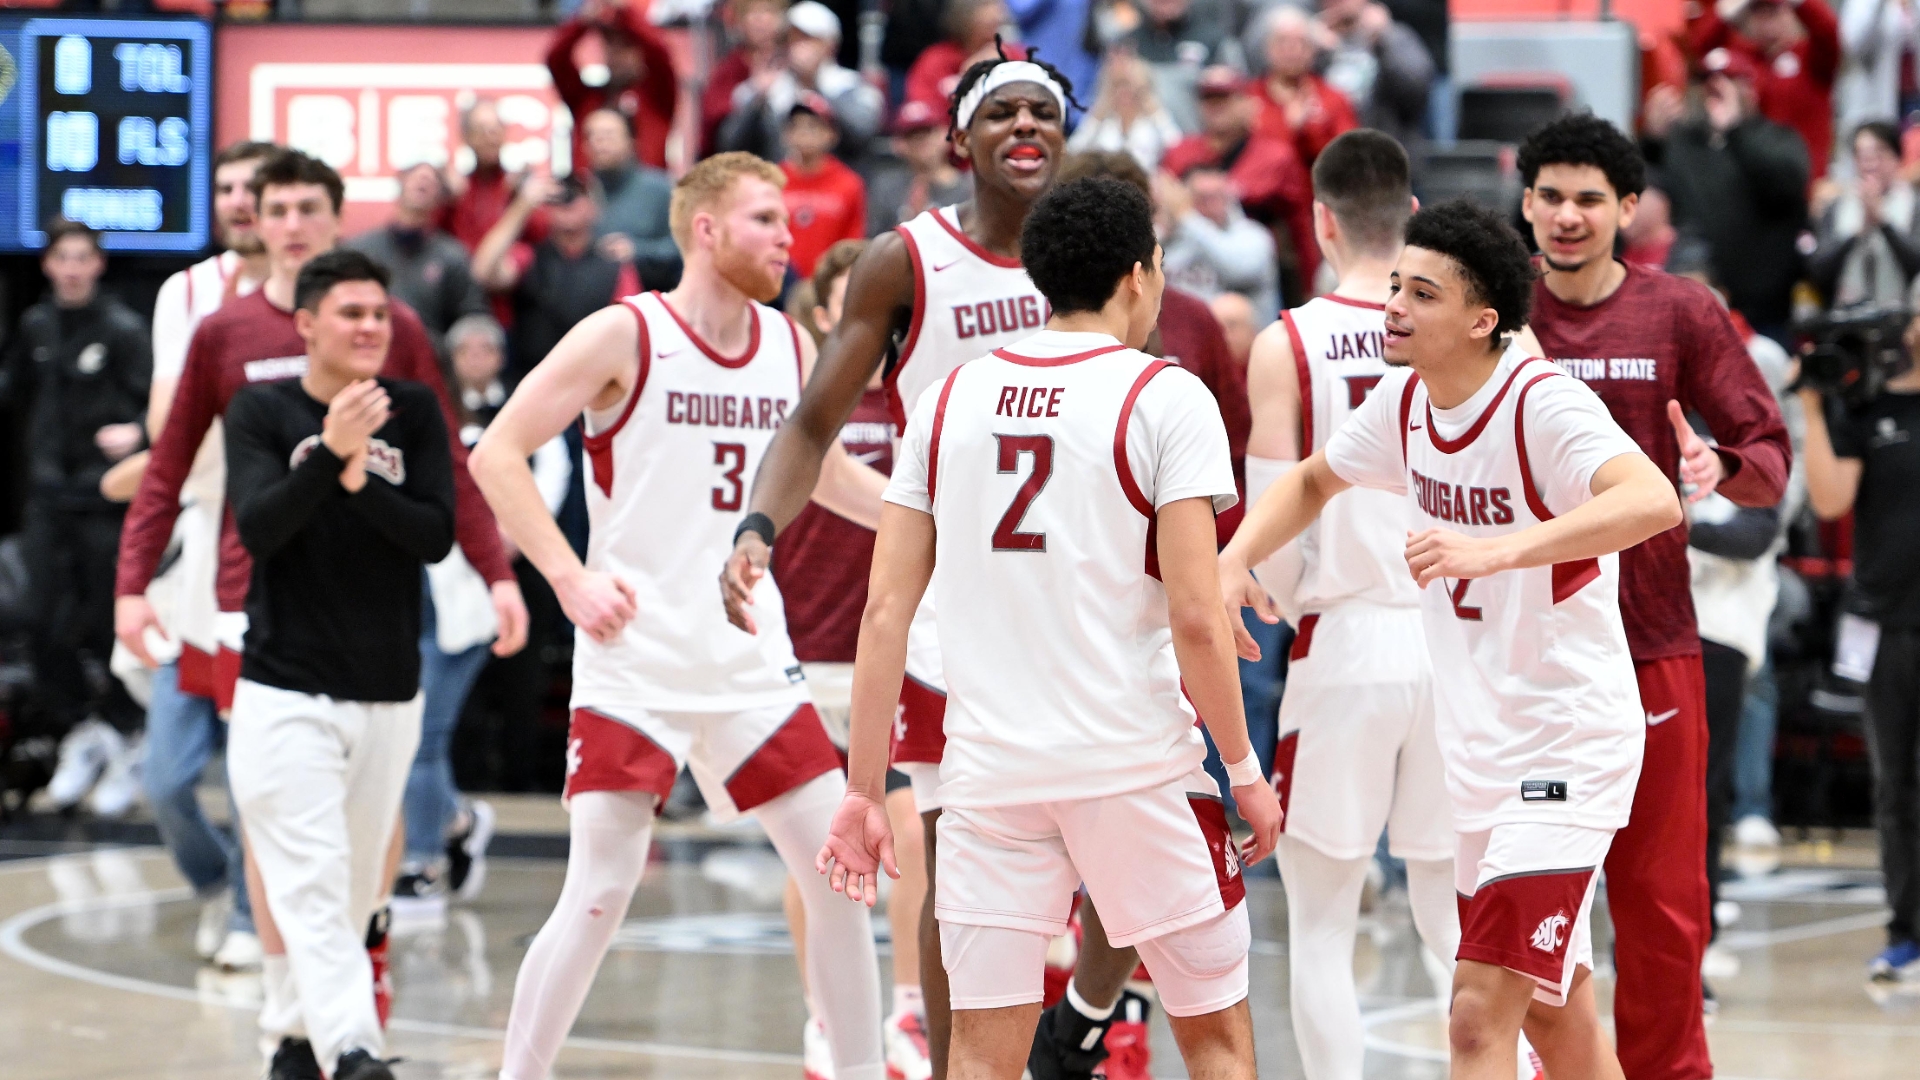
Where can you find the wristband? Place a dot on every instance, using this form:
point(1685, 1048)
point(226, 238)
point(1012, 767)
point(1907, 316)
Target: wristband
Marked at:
point(755, 522)
point(1242, 773)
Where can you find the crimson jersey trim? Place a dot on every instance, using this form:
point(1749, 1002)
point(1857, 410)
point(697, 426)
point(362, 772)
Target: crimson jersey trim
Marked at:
point(599, 448)
point(1568, 577)
point(799, 368)
point(892, 380)
point(753, 337)
point(1406, 414)
point(1056, 361)
point(972, 245)
point(1454, 446)
point(933, 441)
point(1367, 305)
point(1305, 378)
point(1128, 485)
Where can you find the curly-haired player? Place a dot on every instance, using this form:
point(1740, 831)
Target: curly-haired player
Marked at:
point(1058, 494)
point(942, 289)
point(1654, 347)
point(1521, 489)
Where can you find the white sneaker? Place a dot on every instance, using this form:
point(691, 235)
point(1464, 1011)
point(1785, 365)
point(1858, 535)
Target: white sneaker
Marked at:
point(1726, 913)
point(1719, 962)
point(84, 755)
point(239, 952)
point(906, 1045)
point(120, 784)
point(215, 913)
point(1755, 831)
point(816, 1055)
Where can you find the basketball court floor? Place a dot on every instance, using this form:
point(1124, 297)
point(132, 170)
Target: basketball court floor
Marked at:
point(98, 981)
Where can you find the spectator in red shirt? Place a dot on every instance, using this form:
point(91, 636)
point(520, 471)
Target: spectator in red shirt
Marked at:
point(1796, 46)
point(826, 200)
point(641, 83)
point(757, 59)
point(1267, 173)
point(1296, 104)
point(971, 26)
point(482, 195)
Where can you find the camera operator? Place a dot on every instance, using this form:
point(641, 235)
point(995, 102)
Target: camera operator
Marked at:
point(1863, 454)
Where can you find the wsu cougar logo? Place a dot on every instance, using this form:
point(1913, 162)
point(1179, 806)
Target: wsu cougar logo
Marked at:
point(1551, 933)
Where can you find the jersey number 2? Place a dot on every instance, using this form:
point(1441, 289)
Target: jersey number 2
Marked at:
point(734, 456)
point(1006, 535)
point(1458, 594)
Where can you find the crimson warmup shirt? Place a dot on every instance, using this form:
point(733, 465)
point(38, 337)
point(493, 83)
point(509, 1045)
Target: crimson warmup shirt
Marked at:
point(1191, 337)
point(1660, 338)
point(821, 559)
point(251, 341)
point(826, 206)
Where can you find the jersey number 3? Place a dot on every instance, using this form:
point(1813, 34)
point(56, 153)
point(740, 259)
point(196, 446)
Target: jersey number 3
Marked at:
point(1006, 535)
point(734, 456)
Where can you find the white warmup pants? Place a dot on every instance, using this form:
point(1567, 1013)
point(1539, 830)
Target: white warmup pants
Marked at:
point(319, 783)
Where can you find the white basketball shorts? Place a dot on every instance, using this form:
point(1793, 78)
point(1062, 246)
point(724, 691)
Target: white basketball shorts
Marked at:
point(740, 759)
point(1357, 751)
point(1526, 900)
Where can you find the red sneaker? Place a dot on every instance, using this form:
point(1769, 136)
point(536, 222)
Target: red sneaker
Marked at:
point(1129, 1056)
point(377, 953)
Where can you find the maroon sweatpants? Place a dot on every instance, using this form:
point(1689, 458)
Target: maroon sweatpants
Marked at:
point(1657, 884)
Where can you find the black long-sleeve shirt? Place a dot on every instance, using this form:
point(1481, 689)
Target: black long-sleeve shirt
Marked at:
point(334, 607)
point(75, 371)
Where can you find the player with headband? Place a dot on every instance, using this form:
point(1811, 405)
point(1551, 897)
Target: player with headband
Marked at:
point(942, 289)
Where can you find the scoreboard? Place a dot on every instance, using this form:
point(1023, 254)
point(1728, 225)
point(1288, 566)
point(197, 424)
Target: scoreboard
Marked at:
point(107, 122)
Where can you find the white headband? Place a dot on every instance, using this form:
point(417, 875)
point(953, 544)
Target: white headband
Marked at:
point(1012, 71)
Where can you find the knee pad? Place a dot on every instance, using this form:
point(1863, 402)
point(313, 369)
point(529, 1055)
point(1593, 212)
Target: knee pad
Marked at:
point(1202, 968)
point(992, 967)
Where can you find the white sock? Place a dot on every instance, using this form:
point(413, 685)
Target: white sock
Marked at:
point(908, 999)
point(843, 973)
point(279, 999)
point(1080, 1005)
point(606, 853)
point(1323, 914)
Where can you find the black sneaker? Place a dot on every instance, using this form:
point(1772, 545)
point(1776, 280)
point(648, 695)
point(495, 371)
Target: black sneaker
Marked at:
point(294, 1060)
point(360, 1065)
point(1066, 1045)
point(467, 852)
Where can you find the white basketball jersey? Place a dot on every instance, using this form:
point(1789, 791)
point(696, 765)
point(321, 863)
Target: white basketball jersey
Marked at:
point(967, 302)
point(1355, 550)
point(185, 299)
point(667, 480)
point(1043, 465)
point(1537, 708)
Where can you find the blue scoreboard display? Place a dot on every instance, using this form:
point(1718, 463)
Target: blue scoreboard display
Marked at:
point(107, 122)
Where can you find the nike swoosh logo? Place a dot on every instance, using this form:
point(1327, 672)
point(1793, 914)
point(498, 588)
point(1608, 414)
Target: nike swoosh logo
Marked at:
point(669, 352)
point(1656, 719)
point(1416, 427)
point(869, 457)
point(950, 265)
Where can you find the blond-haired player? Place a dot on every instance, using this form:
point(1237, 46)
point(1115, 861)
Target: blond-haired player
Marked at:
point(681, 392)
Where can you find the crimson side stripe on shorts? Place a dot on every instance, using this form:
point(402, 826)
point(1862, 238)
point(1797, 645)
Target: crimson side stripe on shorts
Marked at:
point(1305, 376)
point(795, 753)
point(933, 440)
point(1211, 815)
point(1284, 753)
point(1128, 485)
point(1568, 577)
point(1303, 638)
point(892, 379)
point(616, 756)
point(599, 447)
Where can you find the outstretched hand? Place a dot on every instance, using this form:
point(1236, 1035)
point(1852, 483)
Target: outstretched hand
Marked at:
point(744, 569)
point(1239, 589)
point(859, 843)
point(1700, 467)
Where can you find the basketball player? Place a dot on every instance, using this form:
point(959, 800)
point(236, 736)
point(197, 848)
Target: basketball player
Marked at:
point(1357, 752)
point(821, 567)
point(1521, 490)
point(252, 339)
point(1654, 347)
point(341, 488)
point(1046, 491)
point(936, 292)
point(681, 394)
point(183, 727)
